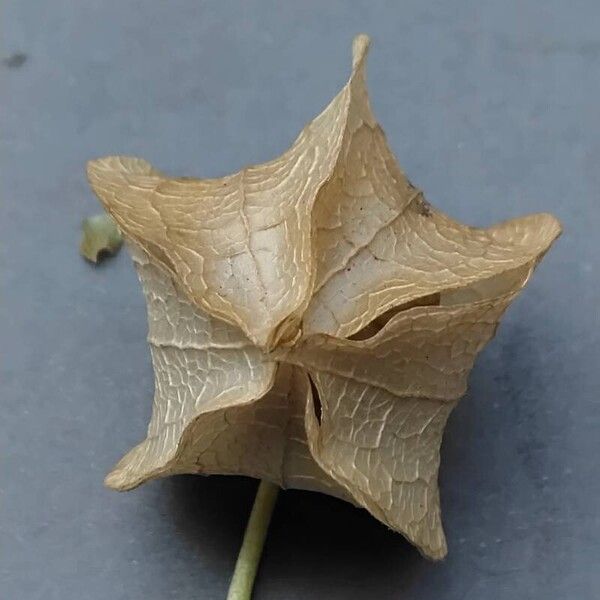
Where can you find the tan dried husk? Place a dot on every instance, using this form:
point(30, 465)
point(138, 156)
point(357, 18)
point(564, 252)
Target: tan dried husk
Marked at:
point(313, 320)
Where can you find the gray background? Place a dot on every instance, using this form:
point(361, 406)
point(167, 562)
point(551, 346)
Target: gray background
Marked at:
point(492, 108)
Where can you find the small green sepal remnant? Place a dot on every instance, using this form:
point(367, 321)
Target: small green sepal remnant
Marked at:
point(100, 238)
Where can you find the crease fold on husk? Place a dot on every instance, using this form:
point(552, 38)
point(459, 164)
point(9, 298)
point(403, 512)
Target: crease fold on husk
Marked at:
point(313, 320)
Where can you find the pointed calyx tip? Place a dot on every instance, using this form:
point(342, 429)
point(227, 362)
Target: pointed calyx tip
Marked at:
point(360, 46)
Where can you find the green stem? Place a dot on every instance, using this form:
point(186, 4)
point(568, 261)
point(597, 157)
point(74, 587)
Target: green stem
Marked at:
point(242, 581)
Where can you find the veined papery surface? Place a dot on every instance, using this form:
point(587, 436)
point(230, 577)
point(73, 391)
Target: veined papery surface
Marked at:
point(313, 320)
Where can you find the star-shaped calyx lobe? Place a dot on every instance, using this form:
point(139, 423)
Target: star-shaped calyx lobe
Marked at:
point(313, 320)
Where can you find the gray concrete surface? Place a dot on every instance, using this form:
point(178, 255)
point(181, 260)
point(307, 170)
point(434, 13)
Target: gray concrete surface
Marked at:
point(492, 108)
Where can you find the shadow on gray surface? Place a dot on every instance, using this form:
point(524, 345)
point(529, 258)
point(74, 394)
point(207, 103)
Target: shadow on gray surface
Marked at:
point(329, 537)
